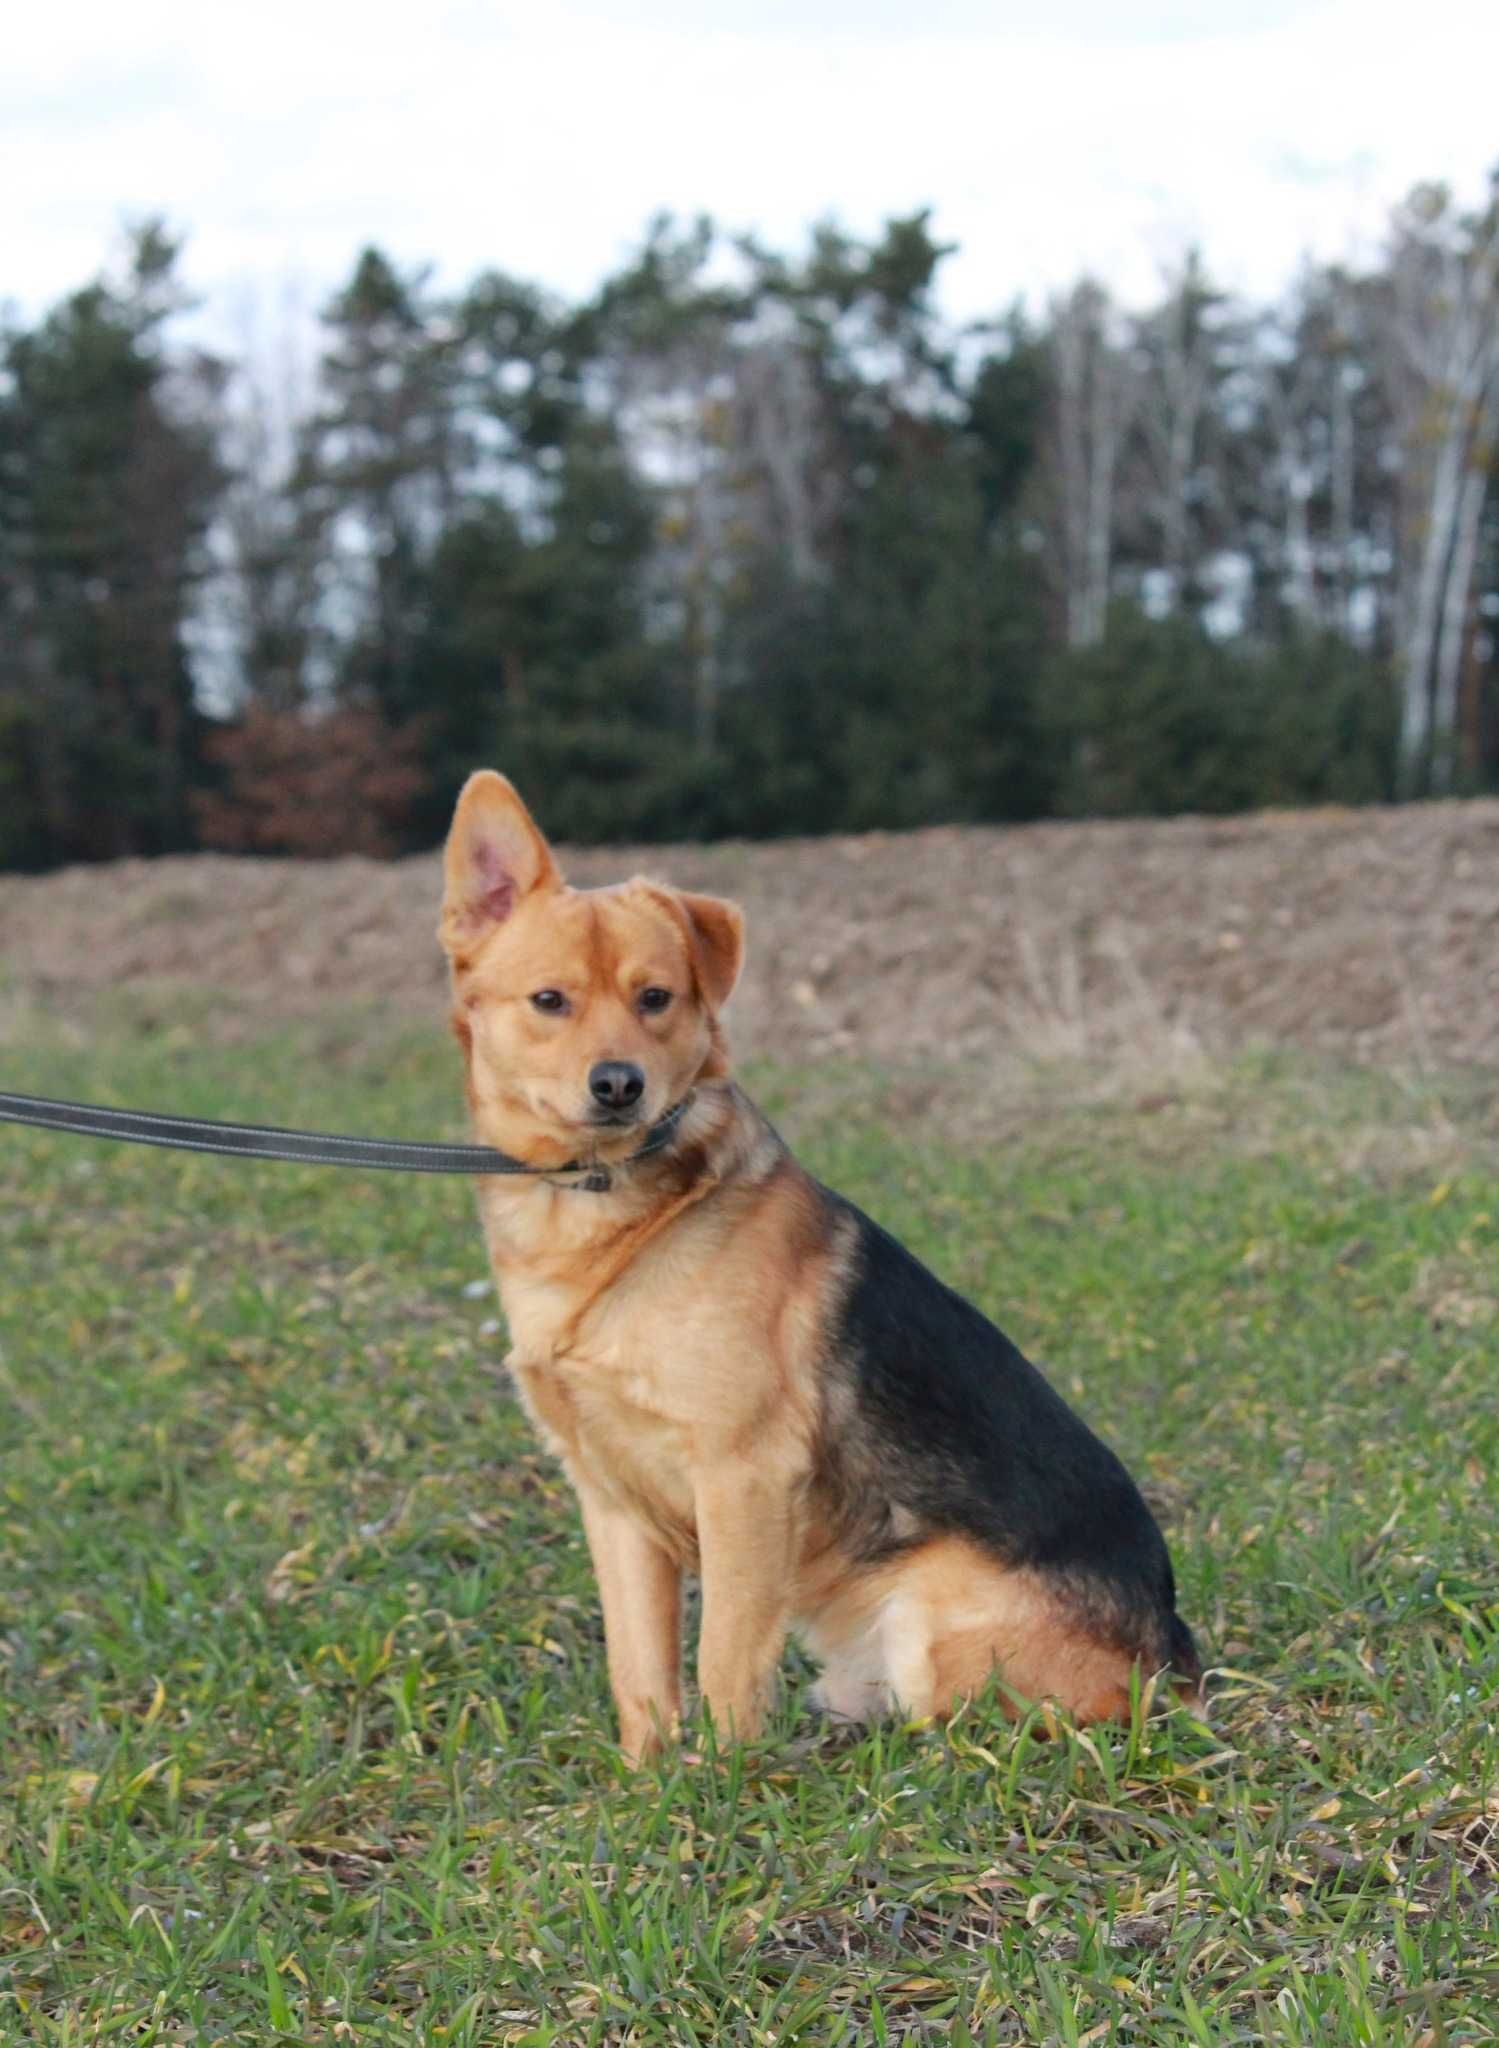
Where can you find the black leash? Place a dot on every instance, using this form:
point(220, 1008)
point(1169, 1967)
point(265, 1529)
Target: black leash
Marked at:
point(309, 1148)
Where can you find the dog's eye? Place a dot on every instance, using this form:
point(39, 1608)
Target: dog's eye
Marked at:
point(550, 1001)
point(653, 1001)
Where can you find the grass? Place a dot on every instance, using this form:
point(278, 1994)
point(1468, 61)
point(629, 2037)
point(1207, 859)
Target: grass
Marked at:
point(305, 1731)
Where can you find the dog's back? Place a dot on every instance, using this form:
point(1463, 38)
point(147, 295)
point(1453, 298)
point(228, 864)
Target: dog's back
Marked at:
point(944, 1430)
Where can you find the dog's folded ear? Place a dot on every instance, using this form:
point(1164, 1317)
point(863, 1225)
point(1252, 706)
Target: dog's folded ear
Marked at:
point(717, 929)
point(495, 856)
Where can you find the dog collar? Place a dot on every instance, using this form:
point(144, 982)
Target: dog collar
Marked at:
point(598, 1179)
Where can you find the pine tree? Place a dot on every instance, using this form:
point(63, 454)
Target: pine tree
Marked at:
point(110, 478)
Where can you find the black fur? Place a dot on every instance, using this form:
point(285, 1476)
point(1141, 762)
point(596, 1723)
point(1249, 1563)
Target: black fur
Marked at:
point(954, 1430)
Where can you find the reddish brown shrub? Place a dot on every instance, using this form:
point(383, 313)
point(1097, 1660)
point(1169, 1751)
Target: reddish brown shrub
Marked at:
point(315, 787)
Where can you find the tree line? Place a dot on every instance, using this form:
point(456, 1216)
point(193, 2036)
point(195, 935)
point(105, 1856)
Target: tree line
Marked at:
point(752, 543)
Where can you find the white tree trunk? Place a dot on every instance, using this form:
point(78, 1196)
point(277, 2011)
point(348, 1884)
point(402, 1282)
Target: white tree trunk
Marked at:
point(1416, 710)
point(1107, 416)
point(1454, 633)
point(1341, 481)
point(1092, 407)
point(778, 402)
point(1072, 467)
point(1445, 329)
point(1301, 595)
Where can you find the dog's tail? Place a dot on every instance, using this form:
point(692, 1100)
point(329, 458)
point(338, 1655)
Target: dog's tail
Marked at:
point(1185, 1664)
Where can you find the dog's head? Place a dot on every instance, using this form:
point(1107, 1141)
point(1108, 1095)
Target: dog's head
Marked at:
point(583, 1014)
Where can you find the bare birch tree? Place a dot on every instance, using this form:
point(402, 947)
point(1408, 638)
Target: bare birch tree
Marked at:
point(1093, 398)
point(1442, 362)
point(779, 428)
point(1179, 349)
point(261, 621)
point(1303, 468)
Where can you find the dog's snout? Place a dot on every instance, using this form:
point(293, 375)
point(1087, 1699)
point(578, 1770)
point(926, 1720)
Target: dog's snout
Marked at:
point(616, 1084)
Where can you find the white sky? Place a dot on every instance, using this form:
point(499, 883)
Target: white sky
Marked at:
point(1049, 135)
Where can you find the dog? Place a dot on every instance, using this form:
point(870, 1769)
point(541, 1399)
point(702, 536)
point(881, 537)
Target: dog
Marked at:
point(744, 1377)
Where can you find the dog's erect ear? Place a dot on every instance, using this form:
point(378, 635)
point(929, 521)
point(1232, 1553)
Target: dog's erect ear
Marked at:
point(494, 857)
point(717, 929)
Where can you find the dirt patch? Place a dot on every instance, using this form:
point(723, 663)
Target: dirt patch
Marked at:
point(1372, 934)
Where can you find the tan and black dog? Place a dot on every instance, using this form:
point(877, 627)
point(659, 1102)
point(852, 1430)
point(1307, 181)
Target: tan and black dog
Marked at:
point(745, 1377)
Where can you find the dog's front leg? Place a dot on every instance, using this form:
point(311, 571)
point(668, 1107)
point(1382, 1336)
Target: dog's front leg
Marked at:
point(746, 1539)
point(641, 1589)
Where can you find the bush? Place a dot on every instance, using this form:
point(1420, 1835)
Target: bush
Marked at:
point(314, 787)
point(1162, 718)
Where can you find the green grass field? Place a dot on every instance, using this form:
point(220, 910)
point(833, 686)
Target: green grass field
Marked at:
point(304, 1722)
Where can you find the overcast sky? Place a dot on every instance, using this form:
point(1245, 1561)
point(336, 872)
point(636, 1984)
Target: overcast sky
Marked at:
point(1048, 135)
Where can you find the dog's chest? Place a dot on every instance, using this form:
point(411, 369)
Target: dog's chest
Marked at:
point(611, 1427)
point(632, 1388)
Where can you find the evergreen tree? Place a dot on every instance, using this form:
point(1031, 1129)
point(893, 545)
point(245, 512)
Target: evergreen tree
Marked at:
point(750, 541)
point(1160, 717)
point(535, 650)
point(108, 481)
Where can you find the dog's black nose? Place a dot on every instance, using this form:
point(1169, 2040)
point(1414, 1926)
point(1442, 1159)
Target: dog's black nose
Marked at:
point(616, 1083)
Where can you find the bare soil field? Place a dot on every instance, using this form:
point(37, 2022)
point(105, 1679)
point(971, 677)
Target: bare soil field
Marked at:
point(1369, 934)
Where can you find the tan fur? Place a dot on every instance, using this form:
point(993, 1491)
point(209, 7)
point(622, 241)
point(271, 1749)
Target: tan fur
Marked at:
point(667, 1334)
